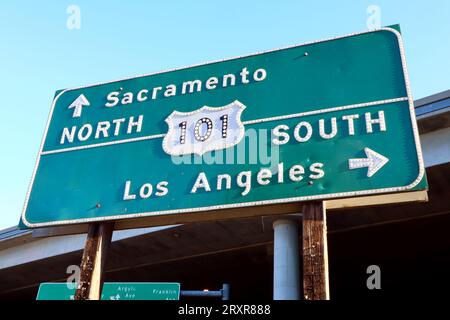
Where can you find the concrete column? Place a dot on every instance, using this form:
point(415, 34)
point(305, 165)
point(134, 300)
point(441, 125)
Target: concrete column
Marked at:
point(286, 284)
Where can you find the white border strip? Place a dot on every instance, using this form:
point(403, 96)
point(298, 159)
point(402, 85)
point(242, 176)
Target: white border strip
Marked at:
point(313, 112)
point(103, 144)
point(249, 122)
point(255, 203)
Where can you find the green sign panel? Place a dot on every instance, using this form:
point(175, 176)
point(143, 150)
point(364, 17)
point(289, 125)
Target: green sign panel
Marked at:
point(114, 291)
point(323, 120)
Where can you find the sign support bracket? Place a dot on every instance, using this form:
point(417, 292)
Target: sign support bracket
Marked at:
point(93, 261)
point(315, 252)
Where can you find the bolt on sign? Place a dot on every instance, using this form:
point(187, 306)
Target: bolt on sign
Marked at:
point(114, 291)
point(323, 120)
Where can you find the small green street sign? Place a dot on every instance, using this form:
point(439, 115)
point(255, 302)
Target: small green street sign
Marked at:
point(323, 120)
point(114, 291)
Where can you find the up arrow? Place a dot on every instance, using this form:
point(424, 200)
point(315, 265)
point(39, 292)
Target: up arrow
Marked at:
point(78, 105)
point(373, 162)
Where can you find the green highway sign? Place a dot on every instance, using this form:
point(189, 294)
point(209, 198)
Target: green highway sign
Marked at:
point(323, 120)
point(114, 291)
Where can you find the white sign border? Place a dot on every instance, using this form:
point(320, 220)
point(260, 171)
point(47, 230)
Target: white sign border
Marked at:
point(243, 204)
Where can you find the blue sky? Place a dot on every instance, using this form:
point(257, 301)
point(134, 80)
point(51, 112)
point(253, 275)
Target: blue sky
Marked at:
point(39, 54)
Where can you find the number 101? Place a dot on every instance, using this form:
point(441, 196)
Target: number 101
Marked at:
point(203, 135)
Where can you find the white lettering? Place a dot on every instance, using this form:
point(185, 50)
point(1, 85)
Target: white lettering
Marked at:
point(137, 124)
point(68, 134)
point(244, 73)
point(317, 169)
point(117, 123)
point(211, 83)
point(259, 75)
point(126, 194)
point(102, 127)
point(229, 76)
point(351, 127)
point(322, 132)
point(155, 92)
point(295, 173)
point(264, 176)
point(113, 99)
point(146, 191)
point(84, 136)
point(201, 182)
point(380, 121)
point(297, 131)
point(227, 179)
point(244, 183)
point(278, 134)
point(142, 95)
point(171, 90)
point(191, 85)
point(162, 188)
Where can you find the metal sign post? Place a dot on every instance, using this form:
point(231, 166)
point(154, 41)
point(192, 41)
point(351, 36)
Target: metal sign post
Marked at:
point(315, 252)
point(223, 293)
point(93, 261)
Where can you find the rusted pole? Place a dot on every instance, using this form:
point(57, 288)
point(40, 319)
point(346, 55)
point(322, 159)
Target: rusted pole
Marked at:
point(93, 261)
point(315, 252)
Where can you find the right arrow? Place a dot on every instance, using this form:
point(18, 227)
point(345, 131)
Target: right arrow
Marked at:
point(373, 162)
